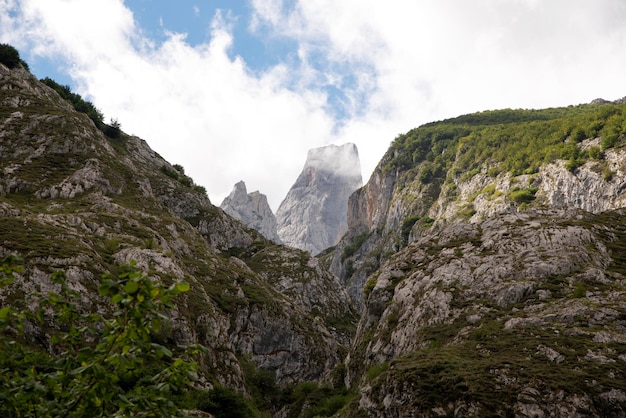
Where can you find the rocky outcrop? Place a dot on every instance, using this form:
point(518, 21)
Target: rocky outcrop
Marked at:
point(490, 291)
point(313, 215)
point(252, 209)
point(395, 207)
point(76, 200)
point(524, 297)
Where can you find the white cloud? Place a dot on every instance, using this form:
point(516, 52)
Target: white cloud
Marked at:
point(398, 64)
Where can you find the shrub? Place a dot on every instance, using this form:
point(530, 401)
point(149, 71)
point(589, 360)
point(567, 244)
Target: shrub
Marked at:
point(77, 102)
point(114, 129)
point(572, 164)
point(370, 285)
point(102, 365)
point(376, 370)
point(609, 141)
point(596, 153)
point(407, 225)
point(578, 135)
point(10, 57)
point(523, 195)
point(349, 250)
point(225, 402)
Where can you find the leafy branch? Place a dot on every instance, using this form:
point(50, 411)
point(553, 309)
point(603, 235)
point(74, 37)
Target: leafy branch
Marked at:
point(91, 364)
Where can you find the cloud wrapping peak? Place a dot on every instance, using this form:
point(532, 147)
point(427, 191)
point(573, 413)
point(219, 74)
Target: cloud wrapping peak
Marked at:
point(361, 71)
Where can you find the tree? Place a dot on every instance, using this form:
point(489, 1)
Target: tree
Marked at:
point(9, 56)
point(91, 364)
point(114, 130)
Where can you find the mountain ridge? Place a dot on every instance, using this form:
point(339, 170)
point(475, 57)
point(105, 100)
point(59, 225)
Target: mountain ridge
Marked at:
point(486, 255)
point(77, 200)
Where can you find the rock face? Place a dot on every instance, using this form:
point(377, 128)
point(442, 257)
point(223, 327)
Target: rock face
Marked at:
point(252, 209)
point(486, 290)
point(73, 199)
point(313, 216)
point(507, 306)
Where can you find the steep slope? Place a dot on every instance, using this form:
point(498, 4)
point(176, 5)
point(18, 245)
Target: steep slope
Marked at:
point(73, 199)
point(252, 209)
point(312, 216)
point(487, 254)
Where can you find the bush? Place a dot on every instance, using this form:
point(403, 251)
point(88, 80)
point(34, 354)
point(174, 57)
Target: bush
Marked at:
point(10, 57)
point(407, 225)
point(572, 164)
point(225, 402)
point(77, 102)
point(102, 365)
point(524, 195)
point(353, 247)
point(114, 130)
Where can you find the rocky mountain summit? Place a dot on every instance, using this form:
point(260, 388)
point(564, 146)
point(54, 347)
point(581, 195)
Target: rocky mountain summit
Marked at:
point(252, 209)
point(312, 216)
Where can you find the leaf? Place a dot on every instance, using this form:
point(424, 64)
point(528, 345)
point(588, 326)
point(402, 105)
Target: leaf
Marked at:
point(4, 312)
point(131, 287)
point(182, 287)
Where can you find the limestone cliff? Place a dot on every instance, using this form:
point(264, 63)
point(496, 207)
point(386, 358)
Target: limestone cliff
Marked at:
point(313, 216)
point(487, 255)
point(252, 209)
point(74, 199)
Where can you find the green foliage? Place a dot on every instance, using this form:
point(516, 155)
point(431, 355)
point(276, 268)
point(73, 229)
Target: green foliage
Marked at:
point(224, 402)
point(516, 141)
point(467, 212)
point(580, 290)
point(407, 225)
point(78, 103)
point(114, 129)
point(370, 285)
point(452, 370)
point(354, 246)
point(177, 172)
point(100, 365)
point(596, 153)
point(308, 400)
point(572, 164)
point(10, 57)
point(376, 370)
point(523, 195)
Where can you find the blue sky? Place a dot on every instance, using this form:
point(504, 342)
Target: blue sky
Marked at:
point(240, 90)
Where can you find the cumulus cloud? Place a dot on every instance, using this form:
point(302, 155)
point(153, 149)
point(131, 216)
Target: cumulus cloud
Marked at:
point(363, 72)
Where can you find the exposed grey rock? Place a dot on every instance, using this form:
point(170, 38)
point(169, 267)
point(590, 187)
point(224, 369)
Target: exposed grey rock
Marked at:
point(313, 215)
point(72, 199)
point(252, 209)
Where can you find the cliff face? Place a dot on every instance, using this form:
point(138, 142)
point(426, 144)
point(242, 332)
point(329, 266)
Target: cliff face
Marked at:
point(253, 210)
point(401, 200)
point(527, 306)
point(75, 200)
point(312, 216)
point(497, 288)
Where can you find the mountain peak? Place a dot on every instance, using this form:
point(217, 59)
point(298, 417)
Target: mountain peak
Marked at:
point(252, 209)
point(313, 214)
